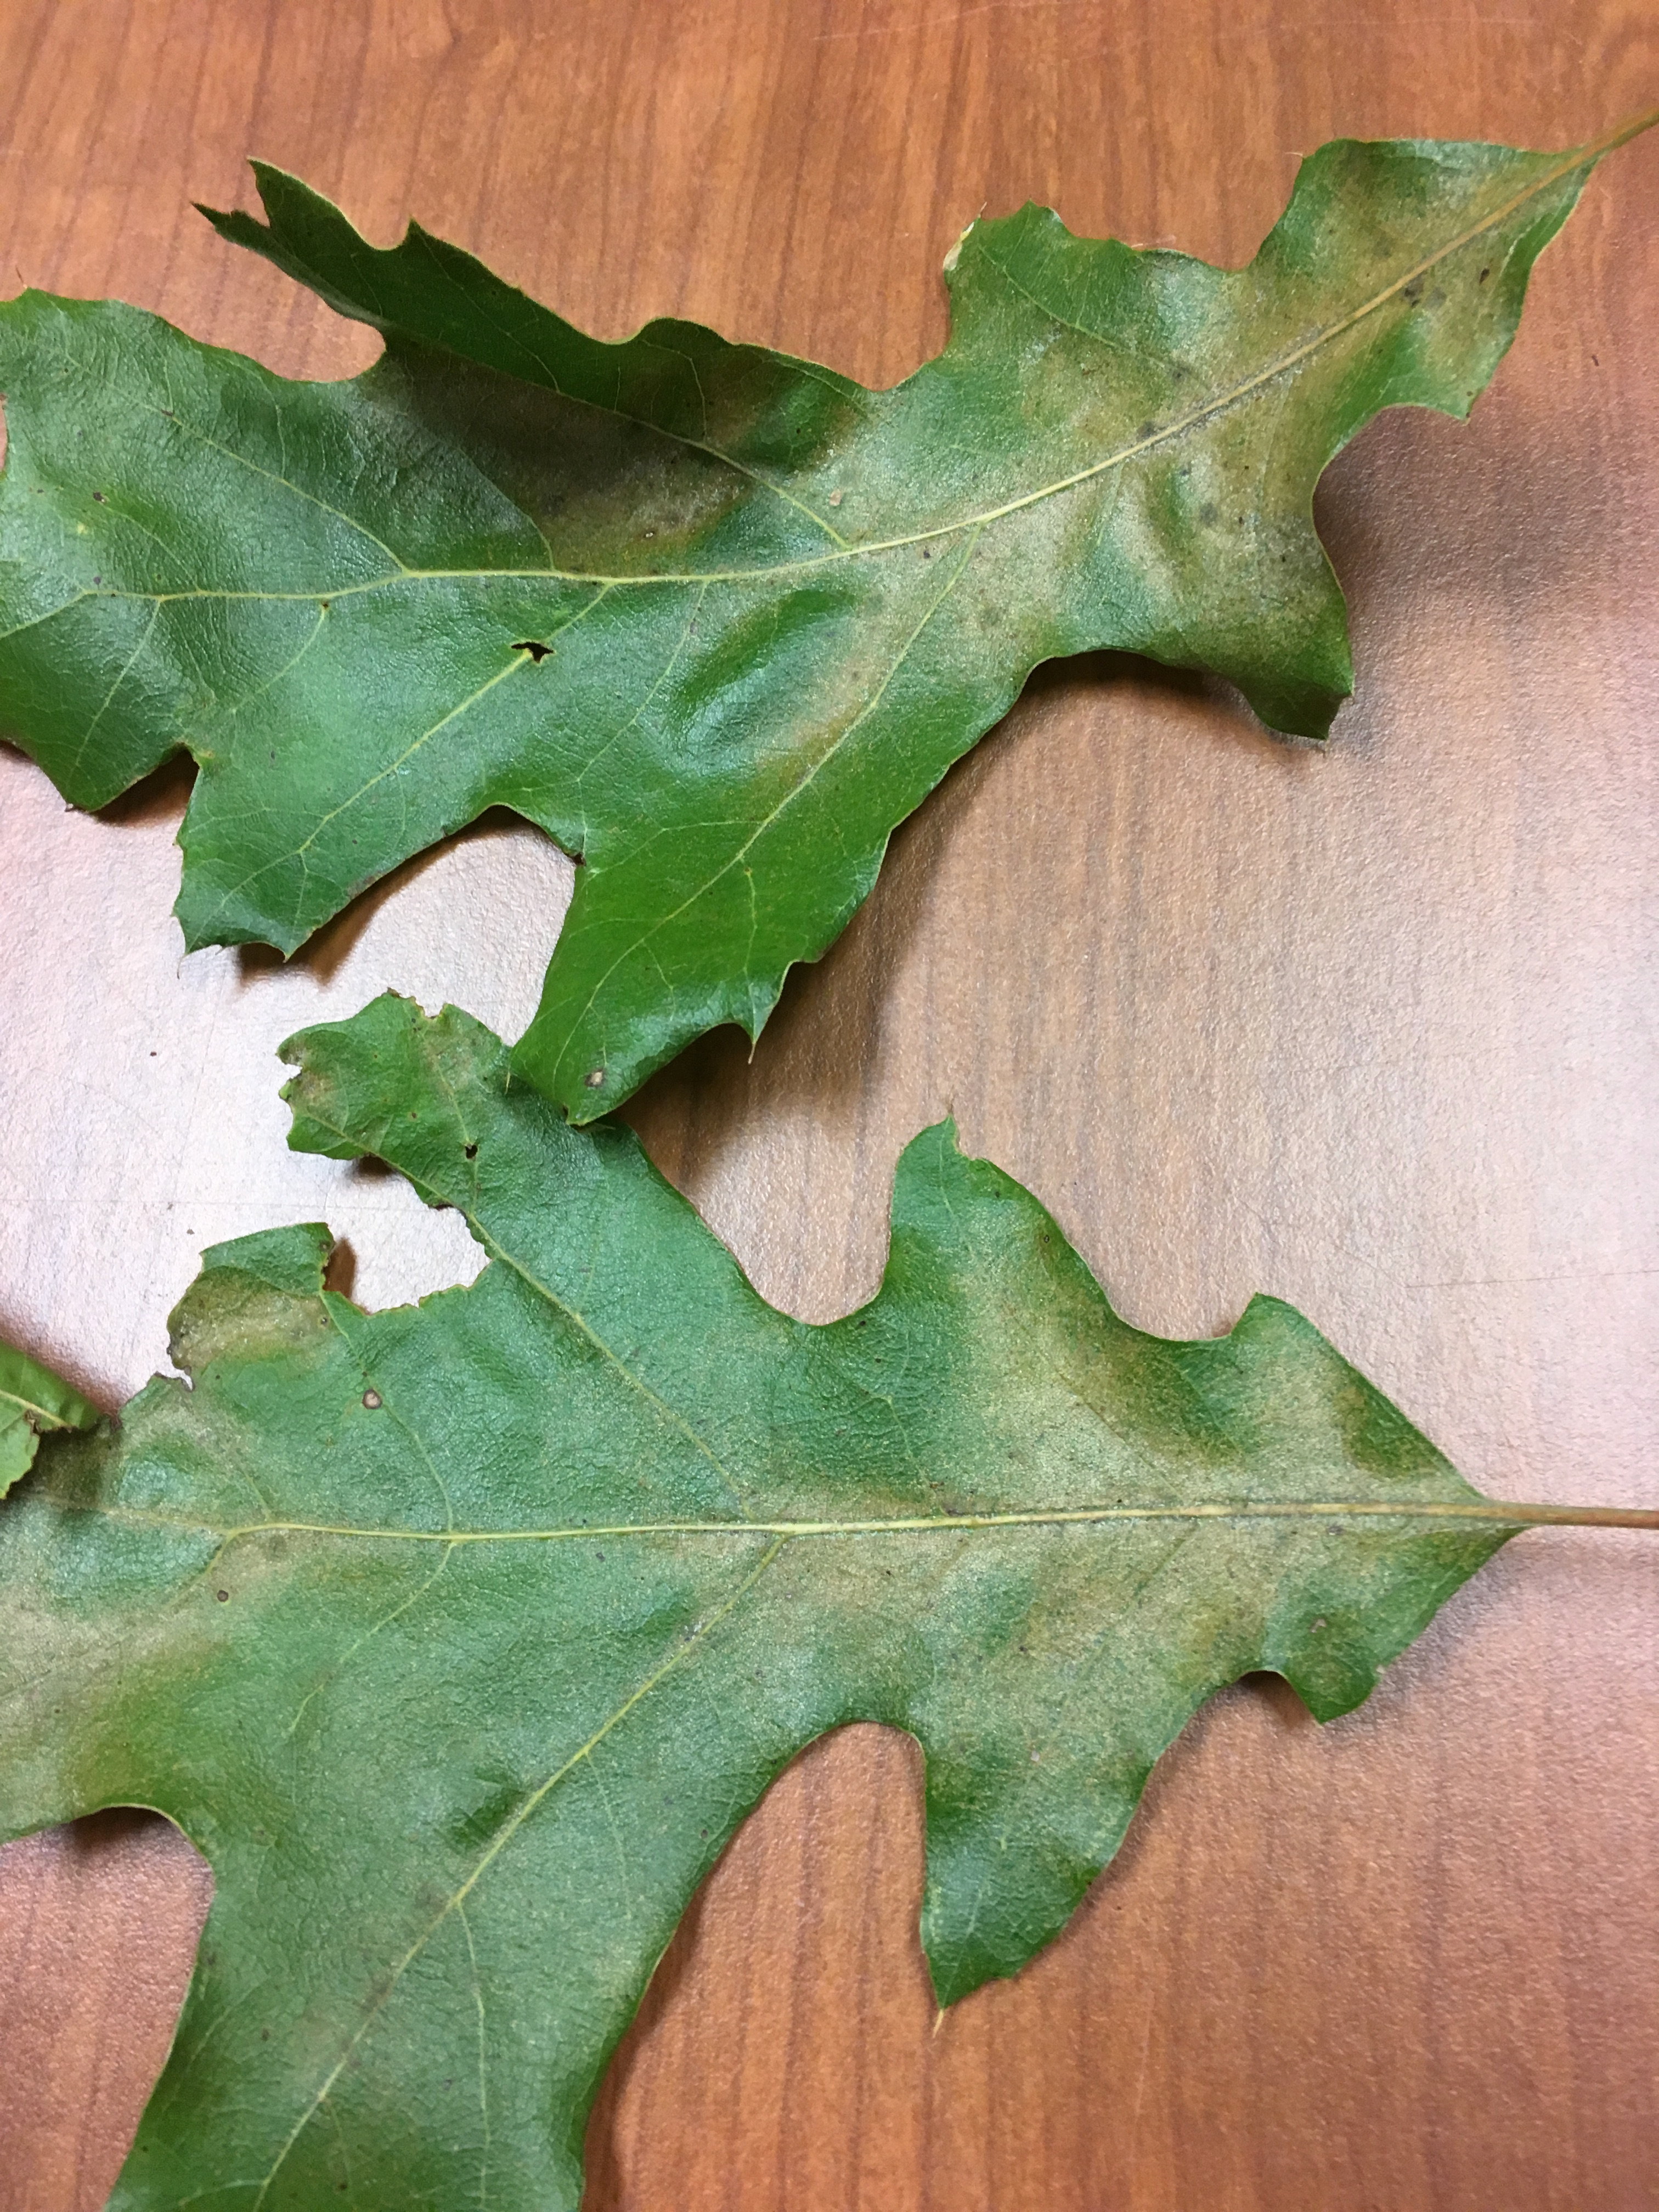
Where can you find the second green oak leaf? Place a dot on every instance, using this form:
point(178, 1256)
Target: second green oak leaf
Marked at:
point(461, 1638)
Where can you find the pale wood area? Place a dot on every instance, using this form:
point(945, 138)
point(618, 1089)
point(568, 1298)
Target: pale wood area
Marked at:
point(1373, 1030)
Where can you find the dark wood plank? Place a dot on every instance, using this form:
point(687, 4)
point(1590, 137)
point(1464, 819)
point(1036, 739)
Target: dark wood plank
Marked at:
point(1373, 1030)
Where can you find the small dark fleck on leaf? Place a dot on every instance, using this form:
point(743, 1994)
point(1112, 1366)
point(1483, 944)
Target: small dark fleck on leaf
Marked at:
point(471, 1151)
point(222, 1596)
point(98, 496)
point(533, 647)
point(1485, 273)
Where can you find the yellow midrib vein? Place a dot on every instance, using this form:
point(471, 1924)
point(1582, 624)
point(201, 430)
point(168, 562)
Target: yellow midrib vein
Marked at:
point(1476, 1511)
point(1205, 410)
point(39, 1413)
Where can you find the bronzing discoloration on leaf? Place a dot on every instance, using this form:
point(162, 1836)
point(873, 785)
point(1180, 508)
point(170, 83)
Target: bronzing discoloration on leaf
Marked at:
point(715, 618)
point(461, 1637)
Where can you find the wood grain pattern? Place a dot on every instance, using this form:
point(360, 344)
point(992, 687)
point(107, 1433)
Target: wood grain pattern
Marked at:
point(1371, 1030)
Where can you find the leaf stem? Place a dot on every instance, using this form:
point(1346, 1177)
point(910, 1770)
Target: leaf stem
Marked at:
point(1622, 133)
point(1487, 1511)
point(1566, 1516)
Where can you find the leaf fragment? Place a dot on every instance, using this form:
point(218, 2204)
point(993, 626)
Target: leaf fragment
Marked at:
point(33, 1403)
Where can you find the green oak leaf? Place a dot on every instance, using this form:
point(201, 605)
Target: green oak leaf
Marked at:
point(33, 1403)
point(461, 1638)
point(717, 619)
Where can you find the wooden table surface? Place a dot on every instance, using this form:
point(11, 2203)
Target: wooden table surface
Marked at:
point(1370, 1029)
